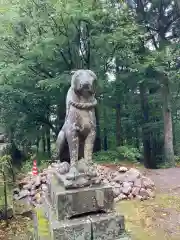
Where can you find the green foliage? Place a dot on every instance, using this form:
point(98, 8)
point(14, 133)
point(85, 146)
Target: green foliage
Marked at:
point(42, 159)
point(5, 160)
point(177, 159)
point(129, 153)
point(110, 156)
point(6, 182)
point(43, 41)
point(124, 153)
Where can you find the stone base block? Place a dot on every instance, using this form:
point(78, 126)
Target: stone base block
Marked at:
point(92, 227)
point(41, 224)
point(107, 226)
point(69, 203)
point(79, 229)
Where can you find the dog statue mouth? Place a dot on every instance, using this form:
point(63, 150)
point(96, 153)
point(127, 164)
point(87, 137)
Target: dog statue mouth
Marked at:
point(86, 90)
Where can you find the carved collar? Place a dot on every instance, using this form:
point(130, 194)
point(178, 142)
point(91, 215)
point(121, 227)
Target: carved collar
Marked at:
point(83, 105)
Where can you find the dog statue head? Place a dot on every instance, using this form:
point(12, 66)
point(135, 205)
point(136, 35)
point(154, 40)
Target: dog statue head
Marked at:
point(84, 82)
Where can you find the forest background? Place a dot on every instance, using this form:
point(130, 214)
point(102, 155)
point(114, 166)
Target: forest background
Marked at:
point(132, 46)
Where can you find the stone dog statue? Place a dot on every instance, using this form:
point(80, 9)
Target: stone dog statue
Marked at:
point(79, 129)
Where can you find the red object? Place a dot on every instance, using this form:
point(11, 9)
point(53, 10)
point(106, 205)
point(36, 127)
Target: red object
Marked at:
point(34, 169)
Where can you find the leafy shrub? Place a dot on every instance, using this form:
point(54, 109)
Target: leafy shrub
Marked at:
point(106, 156)
point(42, 162)
point(129, 153)
point(120, 154)
point(177, 159)
point(27, 166)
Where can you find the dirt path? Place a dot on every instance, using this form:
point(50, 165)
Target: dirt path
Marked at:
point(166, 180)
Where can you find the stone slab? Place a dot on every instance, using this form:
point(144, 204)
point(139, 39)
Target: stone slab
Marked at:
point(107, 226)
point(93, 227)
point(79, 229)
point(69, 203)
point(81, 181)
point(41, 224)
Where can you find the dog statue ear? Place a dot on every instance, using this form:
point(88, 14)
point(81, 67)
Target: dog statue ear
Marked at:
point(92, 74)
point(72, 72)
point(74, 80)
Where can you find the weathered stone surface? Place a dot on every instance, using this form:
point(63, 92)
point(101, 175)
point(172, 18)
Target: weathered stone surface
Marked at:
point(22, 207)
point(116, 190)
point(64, 167)
point(41, 224)
point(44, 187)
point(106, 176)
point(3, 212)
point(94, 226)
point(107, 226)
point(150, 193)
point(24, 193)
point(143, 193)
point(79, 228)
point(122, 196)
point(122, 169)
point(79, 129)
point(147, 183)
point(37, 181)
point(135, 191)
point(97, 227)
point(132, 174)
point(72, 202)
point(138, 183)
point(127, 188)
point(126, 184)
point(27, 186)
point(80, 181)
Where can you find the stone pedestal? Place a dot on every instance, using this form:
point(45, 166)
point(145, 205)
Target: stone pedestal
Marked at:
point(78, 214)
point(72, 202)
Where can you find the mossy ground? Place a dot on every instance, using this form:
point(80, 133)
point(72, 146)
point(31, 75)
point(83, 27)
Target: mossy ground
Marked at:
point(152, 219)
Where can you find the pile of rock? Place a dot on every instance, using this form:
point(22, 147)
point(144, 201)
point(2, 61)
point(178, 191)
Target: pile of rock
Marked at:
point(32, 188)
point(126, 184)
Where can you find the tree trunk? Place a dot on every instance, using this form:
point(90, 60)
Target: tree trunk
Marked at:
point(105, 139)
point(48, 141)
point(137, 138)
point(97, 145)
point(148, 163)
point(105, 145)
point(118, 94)
point(5, 198)
point(168, 131)
point(43, 143)
point(37, 144)
point(118, 125)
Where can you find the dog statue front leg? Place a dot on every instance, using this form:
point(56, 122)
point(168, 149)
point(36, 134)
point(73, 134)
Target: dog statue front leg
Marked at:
point(73, 143)
point(88, 151)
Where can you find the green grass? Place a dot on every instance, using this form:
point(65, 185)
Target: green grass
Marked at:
point(9, 194)
point(143, 218)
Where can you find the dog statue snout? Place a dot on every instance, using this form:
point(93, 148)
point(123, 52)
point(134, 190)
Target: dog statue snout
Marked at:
point(85, 85)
